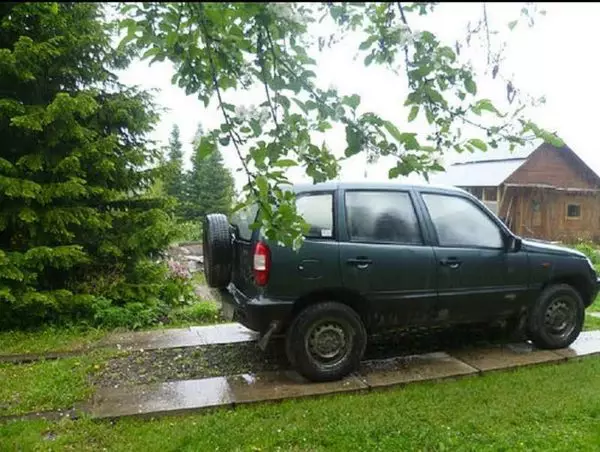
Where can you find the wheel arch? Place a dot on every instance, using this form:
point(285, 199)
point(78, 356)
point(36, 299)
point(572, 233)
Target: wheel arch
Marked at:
point(350, 298)
point(577, 282)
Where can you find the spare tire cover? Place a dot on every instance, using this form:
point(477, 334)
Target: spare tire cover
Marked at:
point(218, 250)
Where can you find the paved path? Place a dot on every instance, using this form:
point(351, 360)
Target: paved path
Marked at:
point(191, 395)
point(227, 333)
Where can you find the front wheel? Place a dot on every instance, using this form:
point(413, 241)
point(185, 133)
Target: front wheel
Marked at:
point(556, 319)
point(326, 341)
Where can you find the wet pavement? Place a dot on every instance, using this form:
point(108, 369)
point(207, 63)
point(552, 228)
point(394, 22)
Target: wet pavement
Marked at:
point(184, 337)
point(187, 395)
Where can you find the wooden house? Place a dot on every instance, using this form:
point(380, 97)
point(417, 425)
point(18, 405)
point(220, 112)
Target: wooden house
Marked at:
point(547, 193)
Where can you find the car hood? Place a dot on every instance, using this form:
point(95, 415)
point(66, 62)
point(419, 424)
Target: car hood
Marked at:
point(538, 246)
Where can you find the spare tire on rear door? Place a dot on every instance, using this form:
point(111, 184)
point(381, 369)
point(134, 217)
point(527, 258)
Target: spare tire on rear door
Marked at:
point(217, 249)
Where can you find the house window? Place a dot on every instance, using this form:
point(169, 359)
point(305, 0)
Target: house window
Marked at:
point(573, 211)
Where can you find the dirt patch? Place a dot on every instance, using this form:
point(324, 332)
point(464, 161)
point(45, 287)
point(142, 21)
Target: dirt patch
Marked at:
point(229, 359)
point(190, 363)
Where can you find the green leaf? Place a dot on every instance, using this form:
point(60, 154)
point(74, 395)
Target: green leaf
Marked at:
point(470, 86)
point(409, 141)
point(285, 163)
point(512, 24)
point(429, 115)
point(352, 101)
point(393, 130)
point(150, 52)
point(256, 127)
point(414, 111)
point(263, 185)
point(394, 172)
point(205, 147)
point(479, 144)
point(353, 138)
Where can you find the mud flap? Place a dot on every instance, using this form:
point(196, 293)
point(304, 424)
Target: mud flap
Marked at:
point(264, 340)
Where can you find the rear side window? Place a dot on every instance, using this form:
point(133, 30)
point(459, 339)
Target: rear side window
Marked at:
point(243, 218)
point(382, 217)
point(460, 223)
point(317, 211)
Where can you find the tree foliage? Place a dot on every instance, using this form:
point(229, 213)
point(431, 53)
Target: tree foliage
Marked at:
point(216, 47)
point(79, 233)
point(173, 174)
point(209, 185)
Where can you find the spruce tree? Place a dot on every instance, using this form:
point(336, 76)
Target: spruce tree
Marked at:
point(174, 179)
point(210, 185)
point(79, 231)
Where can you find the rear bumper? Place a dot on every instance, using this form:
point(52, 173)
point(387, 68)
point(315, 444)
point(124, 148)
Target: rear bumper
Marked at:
point(259, 312)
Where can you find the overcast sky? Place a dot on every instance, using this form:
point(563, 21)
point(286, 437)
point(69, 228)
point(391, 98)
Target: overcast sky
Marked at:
point(556, 59)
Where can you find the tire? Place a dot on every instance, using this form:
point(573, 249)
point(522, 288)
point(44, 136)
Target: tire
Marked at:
point(217, 250)
point(556, 303)
point(329, 320)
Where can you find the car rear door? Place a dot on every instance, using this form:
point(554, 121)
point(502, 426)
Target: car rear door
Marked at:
point(383, 256)
point(478, 279)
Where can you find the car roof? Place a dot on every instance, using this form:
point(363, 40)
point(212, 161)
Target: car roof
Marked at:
point(335, 185)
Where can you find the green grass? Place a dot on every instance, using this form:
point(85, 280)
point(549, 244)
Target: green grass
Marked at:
point(591, 323)
point(47, 385)
point(48, 339)
point(595, 307)
point(550, 407)
point(203, 313)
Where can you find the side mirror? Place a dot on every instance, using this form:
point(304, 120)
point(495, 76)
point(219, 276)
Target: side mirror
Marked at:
point(513, 244)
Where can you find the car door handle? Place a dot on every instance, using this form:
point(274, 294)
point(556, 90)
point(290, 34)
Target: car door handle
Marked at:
point(451, 262)
point(360, 262)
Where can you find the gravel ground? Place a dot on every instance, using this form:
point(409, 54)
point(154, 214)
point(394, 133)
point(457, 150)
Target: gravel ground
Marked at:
point(228, 359)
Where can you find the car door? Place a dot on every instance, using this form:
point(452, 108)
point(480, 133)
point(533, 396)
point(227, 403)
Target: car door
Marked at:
point(478, 278)
point(384, 258)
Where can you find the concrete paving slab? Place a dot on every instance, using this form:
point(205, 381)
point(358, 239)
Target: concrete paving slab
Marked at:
point(161, 398)
point(505, 356)
point(588, 343)
point(187, 395)
point(184, 337)
point(408, 369)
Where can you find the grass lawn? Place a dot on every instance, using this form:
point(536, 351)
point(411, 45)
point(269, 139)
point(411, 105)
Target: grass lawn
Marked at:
point(55, 339)
point(549, 407)
point(47, 385)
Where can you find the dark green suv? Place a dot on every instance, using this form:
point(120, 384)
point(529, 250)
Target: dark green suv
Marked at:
point(384, 256)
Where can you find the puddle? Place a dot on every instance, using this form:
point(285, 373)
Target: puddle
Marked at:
point(177, 396)
point(505, 356)
point(408, 369)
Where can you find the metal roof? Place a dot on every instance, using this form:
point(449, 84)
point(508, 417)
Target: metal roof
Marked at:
point(478, 174)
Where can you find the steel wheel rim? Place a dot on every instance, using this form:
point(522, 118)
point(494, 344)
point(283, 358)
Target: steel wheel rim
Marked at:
point(560, 317)
point(329, 342)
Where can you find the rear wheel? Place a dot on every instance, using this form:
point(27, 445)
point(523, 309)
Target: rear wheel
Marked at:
point(556, 319)
point(217, 250)
point(326, 341)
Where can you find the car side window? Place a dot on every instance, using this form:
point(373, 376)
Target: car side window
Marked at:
point(460, 223)
point(382, 217)
point(317, 211)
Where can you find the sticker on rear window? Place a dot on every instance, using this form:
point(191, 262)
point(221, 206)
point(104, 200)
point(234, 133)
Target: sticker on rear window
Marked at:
point(325, 232)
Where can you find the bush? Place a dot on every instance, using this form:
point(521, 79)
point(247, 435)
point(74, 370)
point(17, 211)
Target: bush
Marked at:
point(591, 251)
point(202, 312)
point(189, 231)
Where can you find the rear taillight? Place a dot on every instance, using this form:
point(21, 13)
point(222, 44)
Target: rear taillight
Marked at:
point(262, 263)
